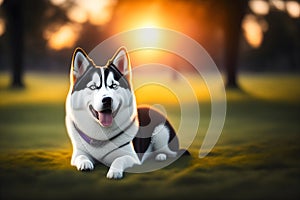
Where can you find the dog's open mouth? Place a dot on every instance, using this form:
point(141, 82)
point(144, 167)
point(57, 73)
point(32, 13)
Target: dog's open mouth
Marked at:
point(105, 117)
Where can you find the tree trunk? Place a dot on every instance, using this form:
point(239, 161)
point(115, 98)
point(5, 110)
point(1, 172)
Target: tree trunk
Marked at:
point(233, 21)
point(14, 13)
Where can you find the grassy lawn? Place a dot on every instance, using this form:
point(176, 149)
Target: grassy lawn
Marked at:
point(256, 157)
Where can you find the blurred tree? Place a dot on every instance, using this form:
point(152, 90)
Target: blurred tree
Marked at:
point(14, 13)
point(228, 15)
point(233, 16)
point(26, 22)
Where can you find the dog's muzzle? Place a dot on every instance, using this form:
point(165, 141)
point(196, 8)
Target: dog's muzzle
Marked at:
point(105, 115)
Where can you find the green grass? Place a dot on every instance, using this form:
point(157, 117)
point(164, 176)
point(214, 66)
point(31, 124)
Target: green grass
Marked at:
point(256, 157)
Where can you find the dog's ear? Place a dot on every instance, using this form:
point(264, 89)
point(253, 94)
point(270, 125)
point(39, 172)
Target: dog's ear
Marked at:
point(80, 63)
point(122, 62)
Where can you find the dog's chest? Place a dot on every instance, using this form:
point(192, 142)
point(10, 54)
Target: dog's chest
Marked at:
point(99, 149)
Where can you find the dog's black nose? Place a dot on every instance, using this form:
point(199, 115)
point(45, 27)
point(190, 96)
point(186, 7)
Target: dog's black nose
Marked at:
point(107, 101)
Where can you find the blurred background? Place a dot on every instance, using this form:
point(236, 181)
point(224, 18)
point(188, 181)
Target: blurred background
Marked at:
point(253, 35)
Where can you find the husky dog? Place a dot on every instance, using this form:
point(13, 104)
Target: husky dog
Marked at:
point(103, 121)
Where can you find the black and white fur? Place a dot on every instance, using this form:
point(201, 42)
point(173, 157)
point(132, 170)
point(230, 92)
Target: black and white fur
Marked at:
point(103, 122)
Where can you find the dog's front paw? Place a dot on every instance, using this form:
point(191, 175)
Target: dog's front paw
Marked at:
point(83, 163)
point(114, 173)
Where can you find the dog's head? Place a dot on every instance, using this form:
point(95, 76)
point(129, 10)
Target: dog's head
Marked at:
point(103, 93)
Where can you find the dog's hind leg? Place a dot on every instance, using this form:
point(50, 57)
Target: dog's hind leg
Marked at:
point(160, 140)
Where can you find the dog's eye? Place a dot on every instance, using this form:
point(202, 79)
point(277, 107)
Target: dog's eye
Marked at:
point(93, 87)
point(114, 86)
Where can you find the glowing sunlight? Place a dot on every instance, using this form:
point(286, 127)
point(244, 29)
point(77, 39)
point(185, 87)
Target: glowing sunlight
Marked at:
point(253, 31)
point(57, 2)
point(64, 37)
point(2, 26)
point(278, 4)
point(97, 12)
point(293, 9)
point(259, 7)
point(77, 14)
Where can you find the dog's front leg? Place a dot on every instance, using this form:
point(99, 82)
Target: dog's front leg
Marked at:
point(81, 161)
point(119, 165)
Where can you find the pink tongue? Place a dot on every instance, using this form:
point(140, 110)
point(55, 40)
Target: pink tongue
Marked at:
point(105, 118)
